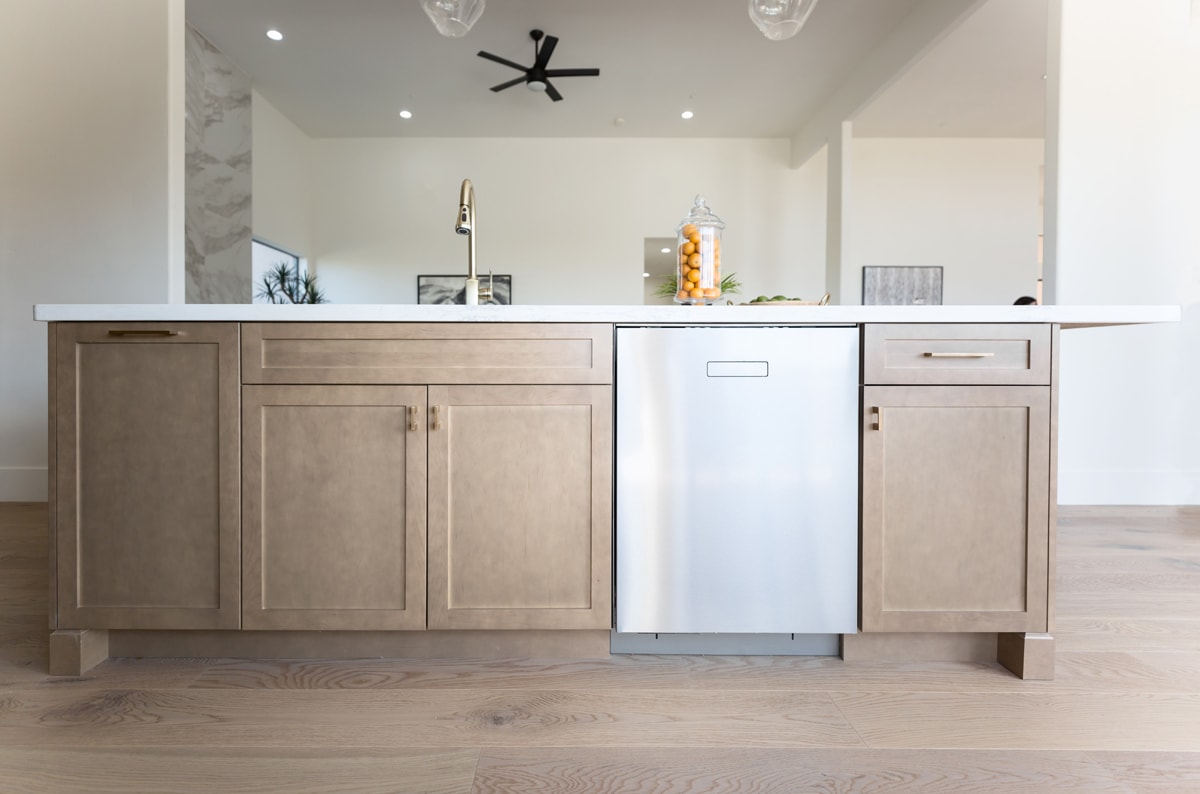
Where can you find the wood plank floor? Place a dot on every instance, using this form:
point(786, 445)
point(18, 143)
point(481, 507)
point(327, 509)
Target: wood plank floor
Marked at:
point(1122, 715)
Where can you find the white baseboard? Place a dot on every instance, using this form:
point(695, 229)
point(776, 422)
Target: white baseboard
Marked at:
point(23, 483)
point(1137, 487)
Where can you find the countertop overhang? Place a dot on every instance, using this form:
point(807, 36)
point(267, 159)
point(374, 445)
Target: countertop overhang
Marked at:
point(1067, 316)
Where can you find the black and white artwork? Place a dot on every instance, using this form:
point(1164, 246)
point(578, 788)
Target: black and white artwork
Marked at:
point(902, 286)
point(452, 289)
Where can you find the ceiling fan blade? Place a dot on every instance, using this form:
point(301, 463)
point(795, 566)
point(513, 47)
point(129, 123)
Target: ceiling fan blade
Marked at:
point(504, 61)
point(552, 92)
point(509, 84)
point(572, 72)
point(543, 56)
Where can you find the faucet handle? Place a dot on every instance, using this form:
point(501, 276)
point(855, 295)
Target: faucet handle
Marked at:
point(485, 293)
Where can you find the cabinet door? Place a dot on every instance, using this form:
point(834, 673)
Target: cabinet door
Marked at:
point(955, 521)
point(334, 507)
point(147, 482)
point(520, 507)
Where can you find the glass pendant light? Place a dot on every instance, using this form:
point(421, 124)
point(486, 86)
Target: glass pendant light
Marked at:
point(780, 19)
point(453, 18)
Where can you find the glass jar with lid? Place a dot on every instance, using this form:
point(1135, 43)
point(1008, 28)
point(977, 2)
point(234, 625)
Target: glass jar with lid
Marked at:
point(699, 248)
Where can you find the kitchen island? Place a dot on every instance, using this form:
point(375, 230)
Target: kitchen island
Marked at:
point(350, 480)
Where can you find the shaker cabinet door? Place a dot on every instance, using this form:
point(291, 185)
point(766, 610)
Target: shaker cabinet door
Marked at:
point(955, 511)
point(146, 479)
point(520, 507)
point(334, 507)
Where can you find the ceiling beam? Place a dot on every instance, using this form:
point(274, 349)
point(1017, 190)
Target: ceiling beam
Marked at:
point(928, 23)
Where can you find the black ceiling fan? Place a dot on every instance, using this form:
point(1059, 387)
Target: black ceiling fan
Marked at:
point(536, 77)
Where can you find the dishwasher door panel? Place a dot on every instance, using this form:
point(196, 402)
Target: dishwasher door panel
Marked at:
point(737, 480)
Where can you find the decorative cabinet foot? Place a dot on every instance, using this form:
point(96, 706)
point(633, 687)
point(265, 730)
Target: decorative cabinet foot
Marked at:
point(1029, 655)
point(75, 651)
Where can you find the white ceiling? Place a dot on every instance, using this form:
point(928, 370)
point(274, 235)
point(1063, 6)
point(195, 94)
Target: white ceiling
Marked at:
point(346, 67)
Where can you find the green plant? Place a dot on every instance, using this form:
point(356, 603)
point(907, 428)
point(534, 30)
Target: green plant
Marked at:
point(285, 284)
point(670, 285)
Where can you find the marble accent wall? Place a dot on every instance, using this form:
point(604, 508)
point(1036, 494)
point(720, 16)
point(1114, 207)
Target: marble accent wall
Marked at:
point(217, 182)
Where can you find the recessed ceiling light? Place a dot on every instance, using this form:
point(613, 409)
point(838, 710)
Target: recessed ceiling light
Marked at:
point(274, 35)
point(687, 114)
point(666, 250)
point(406, 114)
point(645, 275)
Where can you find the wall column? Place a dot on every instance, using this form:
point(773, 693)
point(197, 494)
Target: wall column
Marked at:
point(837, 205)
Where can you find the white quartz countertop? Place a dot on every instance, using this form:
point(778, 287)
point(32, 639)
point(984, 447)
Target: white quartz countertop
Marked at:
point(1068, 316)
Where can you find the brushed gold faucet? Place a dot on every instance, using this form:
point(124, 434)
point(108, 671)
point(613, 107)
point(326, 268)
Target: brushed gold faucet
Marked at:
point(465, 224)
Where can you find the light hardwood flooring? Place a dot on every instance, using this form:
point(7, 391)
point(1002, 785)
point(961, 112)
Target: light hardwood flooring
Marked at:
point(1122, 715)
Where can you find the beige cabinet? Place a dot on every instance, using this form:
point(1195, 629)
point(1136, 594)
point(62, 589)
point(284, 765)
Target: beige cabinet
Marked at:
point(145, 475)
point(334, 507)
point(350, 483)
point(956, 491)
point(520, 500)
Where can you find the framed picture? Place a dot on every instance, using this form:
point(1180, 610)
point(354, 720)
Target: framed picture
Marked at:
point(452, 289)
point(902, 286)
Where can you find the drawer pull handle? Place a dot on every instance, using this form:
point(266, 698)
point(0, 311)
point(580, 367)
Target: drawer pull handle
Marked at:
point(412, 417)
point(959, 355)
point(141, 332)
point(877, 412)
point(437, 417)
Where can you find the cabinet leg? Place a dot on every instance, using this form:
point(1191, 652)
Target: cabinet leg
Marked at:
point(1027, 654)
point(75, 651)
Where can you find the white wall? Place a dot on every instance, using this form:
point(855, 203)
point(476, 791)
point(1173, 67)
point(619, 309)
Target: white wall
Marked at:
point(86, 215)
point(565, 217)
point(281, 175)
point(969, 205)
point(1127, 231)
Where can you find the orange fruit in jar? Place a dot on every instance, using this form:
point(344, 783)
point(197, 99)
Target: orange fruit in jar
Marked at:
point(694, 275)
point(694, 260)
point(689, 248)
point(694, 238)
point(689, 229)
point(682, 295)
point(688, 286)
point(696, 293)
point(712, 292)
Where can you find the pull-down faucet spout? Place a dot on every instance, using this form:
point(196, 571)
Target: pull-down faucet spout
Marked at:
point(465, 224)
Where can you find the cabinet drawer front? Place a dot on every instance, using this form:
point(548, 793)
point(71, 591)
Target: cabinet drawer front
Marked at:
point(956, 354)
point(413, 353)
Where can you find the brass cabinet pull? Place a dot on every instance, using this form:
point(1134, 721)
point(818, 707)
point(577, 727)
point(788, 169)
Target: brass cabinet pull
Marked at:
point(959, 355)
point(877, 412)
point(141, 332)
point(412, 417)
point(437, 417)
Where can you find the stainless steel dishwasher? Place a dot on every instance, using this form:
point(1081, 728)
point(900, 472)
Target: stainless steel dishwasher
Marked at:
point(737, 479)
